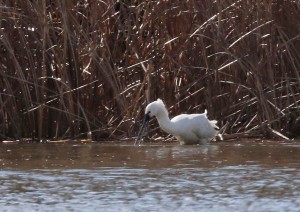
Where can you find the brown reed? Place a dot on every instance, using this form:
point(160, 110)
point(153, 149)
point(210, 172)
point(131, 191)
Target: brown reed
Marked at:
point(73, 69)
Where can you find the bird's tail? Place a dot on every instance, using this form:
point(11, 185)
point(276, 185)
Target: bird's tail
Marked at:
point(213, 123)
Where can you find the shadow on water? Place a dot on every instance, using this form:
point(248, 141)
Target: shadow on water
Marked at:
point(220, 176)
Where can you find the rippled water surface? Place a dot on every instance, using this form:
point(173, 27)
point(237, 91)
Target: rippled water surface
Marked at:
point(247, 176)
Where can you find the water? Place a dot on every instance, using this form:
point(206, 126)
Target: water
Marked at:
point(248, 176)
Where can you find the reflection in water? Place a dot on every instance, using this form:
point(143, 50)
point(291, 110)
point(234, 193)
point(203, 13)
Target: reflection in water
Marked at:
point(220, 176)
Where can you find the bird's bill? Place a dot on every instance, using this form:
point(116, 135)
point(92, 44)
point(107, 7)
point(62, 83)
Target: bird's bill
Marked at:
point(142, 129)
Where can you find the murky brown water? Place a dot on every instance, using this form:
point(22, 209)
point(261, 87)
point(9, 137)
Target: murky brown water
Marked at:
point(89, 177)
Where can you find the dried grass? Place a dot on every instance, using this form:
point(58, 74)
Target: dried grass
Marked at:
point(75, 68)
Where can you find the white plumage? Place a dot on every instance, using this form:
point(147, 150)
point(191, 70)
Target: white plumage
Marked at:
point(187, 128)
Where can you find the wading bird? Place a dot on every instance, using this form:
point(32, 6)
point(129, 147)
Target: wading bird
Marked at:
point(187, 128)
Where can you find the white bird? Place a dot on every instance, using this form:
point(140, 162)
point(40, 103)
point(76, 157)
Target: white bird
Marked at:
point(187, 128)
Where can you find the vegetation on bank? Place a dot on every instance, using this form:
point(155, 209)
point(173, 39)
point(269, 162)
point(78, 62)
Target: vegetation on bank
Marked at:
point(80, 69)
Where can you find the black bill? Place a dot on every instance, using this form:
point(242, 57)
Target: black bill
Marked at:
point(142, 130)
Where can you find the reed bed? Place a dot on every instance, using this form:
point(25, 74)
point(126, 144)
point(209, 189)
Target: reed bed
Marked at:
point(87, 69)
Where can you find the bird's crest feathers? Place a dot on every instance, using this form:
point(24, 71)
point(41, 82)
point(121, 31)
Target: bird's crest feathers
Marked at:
point(162, 105)
point(159, 101)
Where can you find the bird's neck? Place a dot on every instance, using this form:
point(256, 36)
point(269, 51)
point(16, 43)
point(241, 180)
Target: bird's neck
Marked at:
point(165, 123)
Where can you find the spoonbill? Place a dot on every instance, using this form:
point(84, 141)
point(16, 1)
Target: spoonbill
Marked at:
point(187, 128)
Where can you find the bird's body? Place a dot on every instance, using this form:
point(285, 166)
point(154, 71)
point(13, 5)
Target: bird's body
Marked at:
point(187, 128)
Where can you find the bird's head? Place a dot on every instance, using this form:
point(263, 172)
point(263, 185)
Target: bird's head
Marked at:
point(156, 108)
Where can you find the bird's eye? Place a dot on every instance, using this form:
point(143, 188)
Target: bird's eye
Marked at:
point(149, 114)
